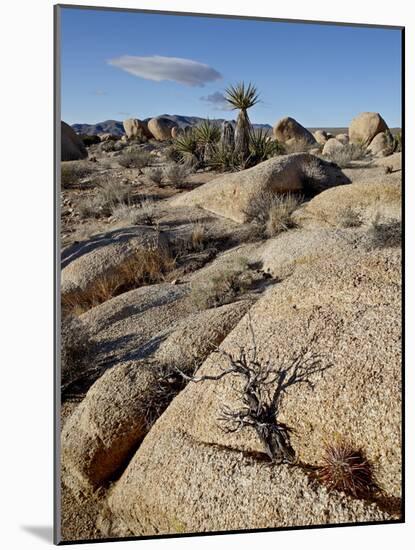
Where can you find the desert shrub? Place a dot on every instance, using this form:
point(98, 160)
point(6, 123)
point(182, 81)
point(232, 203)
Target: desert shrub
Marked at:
point(384, 233)
point(346, 469)
point(134, 159)
point(90, 140)
point(108, 146)
point(231, 281)
point(271, 213)
point(76, 348)
point(146, 265)
point(343, 156)
point(73, 172)
point(108, 194)
point(171, 153)
point(176, 174)
point(154, 173)
point(348, 217)
point(135, 214)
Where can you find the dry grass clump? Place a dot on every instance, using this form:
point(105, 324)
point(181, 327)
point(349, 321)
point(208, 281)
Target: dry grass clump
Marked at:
point(271, 214)
point(176, 174)
point(73, 172)
point(154, 173)
point(198, 236)
point(349, 152)
point(135, 214)
point(348, 217)
point(144, 266)
point(108, 194)
point(384, 233)
point(232, 281)
point(134, 159)
point(76, 348)
point(345, 468)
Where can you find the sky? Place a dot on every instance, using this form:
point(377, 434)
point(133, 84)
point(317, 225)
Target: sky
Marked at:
point(117, 65)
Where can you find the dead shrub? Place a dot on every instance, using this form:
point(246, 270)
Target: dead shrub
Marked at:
point(146, 265)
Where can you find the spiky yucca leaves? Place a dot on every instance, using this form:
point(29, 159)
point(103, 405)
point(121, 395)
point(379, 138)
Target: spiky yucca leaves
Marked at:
point(225, 159)
point(243, 98)
point(262, 147)
point(188, 147)
point(345, 468)
point(207, 134)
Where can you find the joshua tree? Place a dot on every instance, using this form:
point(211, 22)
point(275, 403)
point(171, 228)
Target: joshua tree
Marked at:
point(242, 98)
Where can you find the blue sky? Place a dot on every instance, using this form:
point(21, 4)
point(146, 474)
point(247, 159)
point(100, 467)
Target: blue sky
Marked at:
point(117, 65)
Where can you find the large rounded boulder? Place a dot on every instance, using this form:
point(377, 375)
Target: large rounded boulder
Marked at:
point(289, 129)
point(341, 372)
point(72, 147)
point(230, 195)
point(136, 129)
point(332, 146)
point(365, 127)
point(161, 128)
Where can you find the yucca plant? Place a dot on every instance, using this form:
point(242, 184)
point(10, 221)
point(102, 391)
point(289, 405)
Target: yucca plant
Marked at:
point(207, 134)
point(243, 98)
point(188, 147)
point(224, 159)
point(262, 147)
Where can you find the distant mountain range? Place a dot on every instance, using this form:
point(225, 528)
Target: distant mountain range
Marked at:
point(116, 128)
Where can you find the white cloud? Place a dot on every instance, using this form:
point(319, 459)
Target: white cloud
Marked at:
point(158, 68)
point(217, 100)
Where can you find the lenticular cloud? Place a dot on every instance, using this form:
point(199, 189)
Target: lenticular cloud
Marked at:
point(158, 68)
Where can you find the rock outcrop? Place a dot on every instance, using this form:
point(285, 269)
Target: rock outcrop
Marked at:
point(230, 195)
point(288, 128)
point(136, 129)
point(365, 127)
point(161, 128)
point(72, 147)
point(356, 388)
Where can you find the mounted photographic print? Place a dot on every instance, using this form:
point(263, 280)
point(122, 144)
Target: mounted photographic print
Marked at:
point(228, 274)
